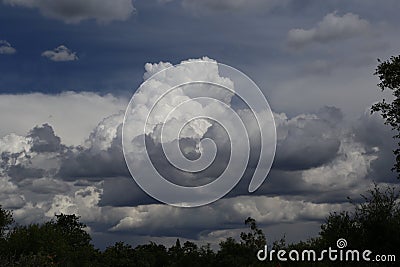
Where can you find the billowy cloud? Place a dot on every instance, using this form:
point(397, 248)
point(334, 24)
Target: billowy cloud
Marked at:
point(266, 210)
point(60, 54)
point(333, 27)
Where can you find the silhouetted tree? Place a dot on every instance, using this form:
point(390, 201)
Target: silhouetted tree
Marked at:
point(207, 257)
point(6, 220)
point(151, 255)
point(389, 75)
point(373, 225)
point(61, 242)
point(255, 239)
point(232, 253)
point(119, 255)
point(176, 252)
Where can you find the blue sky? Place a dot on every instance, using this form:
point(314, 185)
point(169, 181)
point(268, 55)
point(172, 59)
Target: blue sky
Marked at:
point(313, 60)
point(112, 53)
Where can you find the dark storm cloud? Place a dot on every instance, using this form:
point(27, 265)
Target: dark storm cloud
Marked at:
point(188, 148)
point(292, 185)
point(308, 142)
point(44, 139)
point(305, 142)
point(98, 165)
point(45, 186)
point(18, 172)
point(378, 139)
point(312, 152)
point(120, 206)
point(278, 183)
point(123, 191)
point(75, 11)
point(95, 164)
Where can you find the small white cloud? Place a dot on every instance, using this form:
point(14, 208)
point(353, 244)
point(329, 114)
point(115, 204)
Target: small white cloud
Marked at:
point(333, 27)
point(6, 48)
point(61, 53)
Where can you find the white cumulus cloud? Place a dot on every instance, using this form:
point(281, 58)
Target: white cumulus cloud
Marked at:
point(59, 54)
point(6, 48)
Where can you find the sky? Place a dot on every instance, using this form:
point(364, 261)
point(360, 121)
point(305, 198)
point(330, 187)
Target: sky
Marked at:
point(68, 70)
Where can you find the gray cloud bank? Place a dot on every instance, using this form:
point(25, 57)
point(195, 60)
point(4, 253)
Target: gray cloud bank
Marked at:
point(320, 160)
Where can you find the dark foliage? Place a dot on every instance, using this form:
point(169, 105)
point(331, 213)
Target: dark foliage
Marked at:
point(389, 75)
point(62, 241)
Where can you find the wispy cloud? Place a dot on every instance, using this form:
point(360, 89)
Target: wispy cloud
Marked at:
point(76, 11)
point(234, 5)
